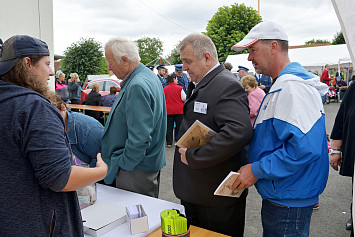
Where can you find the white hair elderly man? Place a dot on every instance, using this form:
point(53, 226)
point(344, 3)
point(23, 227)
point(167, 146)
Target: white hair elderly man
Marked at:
point(288, 153)
point(219, 101)
point(134, 135)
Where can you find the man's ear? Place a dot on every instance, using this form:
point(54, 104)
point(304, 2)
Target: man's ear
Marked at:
point(27, 61)
point(274, 46)
point(207, 57)
point(125, 59)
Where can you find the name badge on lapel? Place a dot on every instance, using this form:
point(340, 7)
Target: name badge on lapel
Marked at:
point(200, 107)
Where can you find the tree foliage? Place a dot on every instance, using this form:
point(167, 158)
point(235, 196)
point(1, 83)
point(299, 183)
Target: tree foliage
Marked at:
point(229, 25)
point(175, 55)
point(149, 49)
point(84, 57)
point(338, 38)
point(318, 41)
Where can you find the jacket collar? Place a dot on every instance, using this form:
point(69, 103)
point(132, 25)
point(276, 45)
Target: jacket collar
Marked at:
point(138, 69)
point(206, 79)
point(71, 124)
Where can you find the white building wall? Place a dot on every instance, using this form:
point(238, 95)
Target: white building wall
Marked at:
point(29, 17)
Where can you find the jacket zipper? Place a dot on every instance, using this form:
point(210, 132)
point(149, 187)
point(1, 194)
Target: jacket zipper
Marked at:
point(53, 223)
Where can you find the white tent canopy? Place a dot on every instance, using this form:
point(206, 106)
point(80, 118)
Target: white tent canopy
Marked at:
point(312, 58)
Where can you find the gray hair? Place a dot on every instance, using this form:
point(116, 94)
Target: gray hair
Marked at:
point(228, 66)
point(200, 44)
point(122, 47)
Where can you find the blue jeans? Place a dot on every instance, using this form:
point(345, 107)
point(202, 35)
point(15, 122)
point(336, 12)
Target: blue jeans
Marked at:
point(281, 221)
point(341, 93)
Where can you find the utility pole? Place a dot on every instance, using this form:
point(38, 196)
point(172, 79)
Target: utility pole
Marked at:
point(259, 7)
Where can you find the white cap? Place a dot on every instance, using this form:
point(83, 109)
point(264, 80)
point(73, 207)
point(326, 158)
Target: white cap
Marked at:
point(263, 30)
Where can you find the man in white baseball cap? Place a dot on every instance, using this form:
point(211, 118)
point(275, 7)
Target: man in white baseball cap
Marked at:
point(288, 154)
point(264, 30)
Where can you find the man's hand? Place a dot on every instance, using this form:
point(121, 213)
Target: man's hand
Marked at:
point(262, 87)
point(335, 160)
point(245, 179)
point(182, 151)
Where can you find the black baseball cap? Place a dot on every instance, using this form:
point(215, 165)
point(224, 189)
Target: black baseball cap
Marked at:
point(19, 46)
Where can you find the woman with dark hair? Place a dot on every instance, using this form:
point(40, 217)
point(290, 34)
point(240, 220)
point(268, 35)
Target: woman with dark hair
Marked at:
point(108, 100)
point(174, 97)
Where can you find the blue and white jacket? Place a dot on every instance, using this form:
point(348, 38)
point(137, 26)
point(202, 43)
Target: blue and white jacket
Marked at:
point(289, 153)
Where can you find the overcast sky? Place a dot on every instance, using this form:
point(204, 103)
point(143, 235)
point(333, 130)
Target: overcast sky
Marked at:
point(171, 21)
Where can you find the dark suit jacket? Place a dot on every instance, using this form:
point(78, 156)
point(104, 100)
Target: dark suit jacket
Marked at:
point(228, 115)
point(344, 129)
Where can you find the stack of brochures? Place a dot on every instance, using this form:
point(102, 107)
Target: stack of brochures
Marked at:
point(134, 212)
point(137, 219)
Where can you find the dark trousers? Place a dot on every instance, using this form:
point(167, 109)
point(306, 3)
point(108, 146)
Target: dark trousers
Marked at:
point(224, 220)
point(351, 217)
point(342, 92)
point(139, 181)
point(177, 118)
point(176, 133)
point(351, 209)
point(75, 101)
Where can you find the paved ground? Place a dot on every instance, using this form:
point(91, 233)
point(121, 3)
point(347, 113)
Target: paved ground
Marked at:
point(328, 221)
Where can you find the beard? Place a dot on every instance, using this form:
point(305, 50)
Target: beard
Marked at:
point(36, 85)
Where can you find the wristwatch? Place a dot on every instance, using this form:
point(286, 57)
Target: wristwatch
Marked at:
point(334, 151)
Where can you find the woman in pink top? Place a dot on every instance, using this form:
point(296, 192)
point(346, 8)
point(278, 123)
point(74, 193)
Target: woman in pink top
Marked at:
point(61, 87)
point(255, 95)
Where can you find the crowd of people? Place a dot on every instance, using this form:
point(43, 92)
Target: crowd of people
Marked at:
point(150, 112)
point(337, 85)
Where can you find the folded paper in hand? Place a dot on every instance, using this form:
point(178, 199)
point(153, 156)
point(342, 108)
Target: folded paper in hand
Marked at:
point(225, 188)
point(196, 136)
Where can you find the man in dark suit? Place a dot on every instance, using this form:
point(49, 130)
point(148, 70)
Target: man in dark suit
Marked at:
point(219, 101)
point(264, 82)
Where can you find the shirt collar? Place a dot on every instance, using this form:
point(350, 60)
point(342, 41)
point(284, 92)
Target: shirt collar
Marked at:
point(123, 82)
point(214, 67)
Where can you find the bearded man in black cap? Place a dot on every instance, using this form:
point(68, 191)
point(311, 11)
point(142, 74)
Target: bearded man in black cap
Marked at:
point(37, 175)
